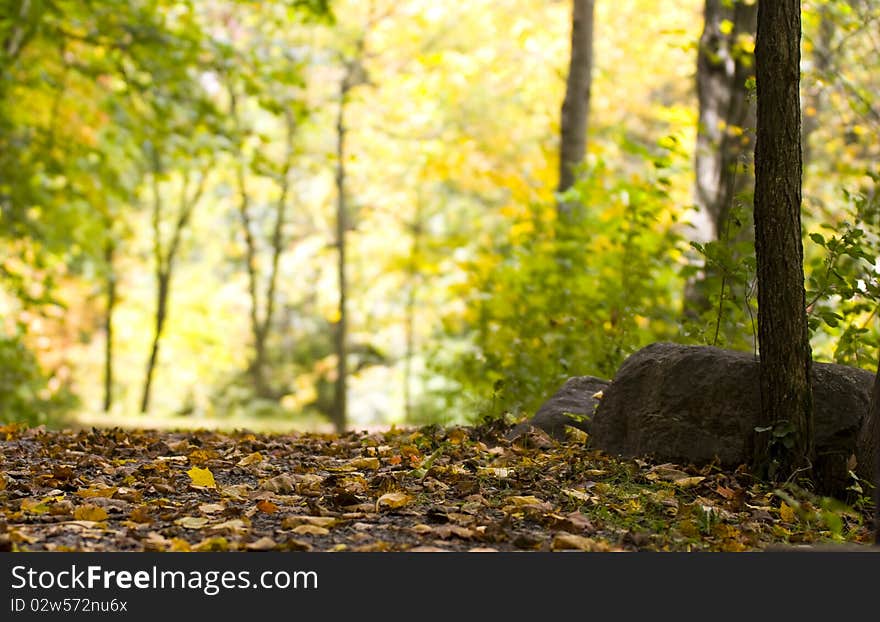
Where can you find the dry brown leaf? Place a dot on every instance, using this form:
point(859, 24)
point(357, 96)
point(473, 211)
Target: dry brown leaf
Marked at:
point(267, 507)
point(370, 464)
point(310, 530)
point(567, 541)
point(191, 522)
point(211, 508)
point(253, 458)
point(289, 522)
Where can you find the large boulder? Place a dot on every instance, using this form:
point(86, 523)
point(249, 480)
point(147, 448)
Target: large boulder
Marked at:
point(572, 405)
point(700, 404)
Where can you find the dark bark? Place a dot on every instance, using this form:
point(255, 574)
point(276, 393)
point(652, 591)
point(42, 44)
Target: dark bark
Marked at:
point(164, 258)
point(576, 106)
point(786, 394)
point(109, 252)
point(868, 451)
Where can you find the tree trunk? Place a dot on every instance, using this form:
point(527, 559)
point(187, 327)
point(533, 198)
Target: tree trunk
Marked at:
point(725, 133)
point(725, 142)
point(815, 99)
point(415, 253)
point(109, 251)
point(868, 451)
point(158, 329)
point(164, 257)
point(576, 106)
point(339, 414)
point(784, 438)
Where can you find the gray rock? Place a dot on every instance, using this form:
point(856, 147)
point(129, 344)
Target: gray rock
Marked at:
point(700, 404)
point(572, 405)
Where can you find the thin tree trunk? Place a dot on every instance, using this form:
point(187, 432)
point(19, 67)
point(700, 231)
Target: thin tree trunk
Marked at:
point(410, 307)
point(109, 252)
point(868, 451)
point(277, 244)
point(814, 95)
point(164, 259)
point(258, 363)
point(576, 106)
point(158, 329)
point(725, 141)
point(339, 414)
point(725, 132)
point(784, 438)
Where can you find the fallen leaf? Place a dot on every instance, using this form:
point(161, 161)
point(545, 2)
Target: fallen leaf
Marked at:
point(263, 544)
point(580, 495)
point(267, 507)
point(201, 478)
point(392, 500)
point(192, 522)
point(90, 512)
point(786, 513)
point(370, 464)
point(280, 483)
point(214, 544)
point(211, 508)
point(253, 458)
point(568, 541)
point(499, 472)
point(97, 490)
point(310, 530)
point(234, 525)
point(688, 482)
point(289, 522)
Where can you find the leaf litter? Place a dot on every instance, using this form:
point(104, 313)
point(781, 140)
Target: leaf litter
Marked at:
point(427, 489)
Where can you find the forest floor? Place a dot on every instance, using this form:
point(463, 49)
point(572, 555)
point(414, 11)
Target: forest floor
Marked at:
point(427, 489)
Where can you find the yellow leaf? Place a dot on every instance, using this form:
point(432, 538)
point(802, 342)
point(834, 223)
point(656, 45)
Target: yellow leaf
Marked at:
point(90, 512)
point(254, 458)
point(392, 500)
point(201, 478)
point(34, 506)
point(786, 513)
point(97, 490)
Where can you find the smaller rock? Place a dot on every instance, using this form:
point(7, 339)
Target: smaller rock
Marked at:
point(572, 405)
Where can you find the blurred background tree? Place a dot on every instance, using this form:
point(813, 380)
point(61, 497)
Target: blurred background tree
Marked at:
point(466, 294)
